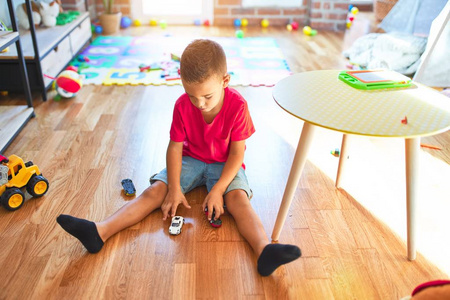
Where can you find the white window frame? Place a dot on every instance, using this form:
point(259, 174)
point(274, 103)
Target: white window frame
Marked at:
point(137, 12)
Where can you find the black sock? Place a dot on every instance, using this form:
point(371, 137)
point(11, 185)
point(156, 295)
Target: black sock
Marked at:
point(275, 255)
point(84, 230)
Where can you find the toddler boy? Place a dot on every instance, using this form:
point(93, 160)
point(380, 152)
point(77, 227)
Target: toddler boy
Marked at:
point(207, 142)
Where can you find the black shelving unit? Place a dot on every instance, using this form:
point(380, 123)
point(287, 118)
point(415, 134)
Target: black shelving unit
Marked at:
point(14, 118)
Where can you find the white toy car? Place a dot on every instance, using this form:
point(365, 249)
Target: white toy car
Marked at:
point(176, 225)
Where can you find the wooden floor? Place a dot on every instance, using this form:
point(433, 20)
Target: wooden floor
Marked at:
point(87, 145)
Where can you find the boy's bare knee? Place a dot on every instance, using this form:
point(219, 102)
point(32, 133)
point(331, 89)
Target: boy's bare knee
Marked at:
point(156, 192)
point(236, 199)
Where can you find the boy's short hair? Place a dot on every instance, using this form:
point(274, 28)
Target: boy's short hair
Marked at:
point(202, 59)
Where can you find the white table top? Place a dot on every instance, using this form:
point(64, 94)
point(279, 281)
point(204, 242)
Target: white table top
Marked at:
point(320, 98)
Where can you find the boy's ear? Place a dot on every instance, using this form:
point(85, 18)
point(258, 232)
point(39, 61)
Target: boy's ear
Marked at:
point(226, 80)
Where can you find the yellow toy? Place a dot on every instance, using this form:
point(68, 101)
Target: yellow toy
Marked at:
point(244, 22)
point(137, 22)
point(352, 12)
point(264, 23)
point(309, 31)
point(14, 175)
point(153, 22)
point(163, 24)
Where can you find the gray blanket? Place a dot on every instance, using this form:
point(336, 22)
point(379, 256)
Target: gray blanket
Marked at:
point(395, 51)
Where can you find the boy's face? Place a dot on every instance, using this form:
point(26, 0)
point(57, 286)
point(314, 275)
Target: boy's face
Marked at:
point(208, 95)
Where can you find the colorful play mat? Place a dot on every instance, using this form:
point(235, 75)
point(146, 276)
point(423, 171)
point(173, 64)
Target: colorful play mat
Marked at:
point(153, 60)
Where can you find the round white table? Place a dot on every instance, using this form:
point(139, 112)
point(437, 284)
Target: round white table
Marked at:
point(320, 99)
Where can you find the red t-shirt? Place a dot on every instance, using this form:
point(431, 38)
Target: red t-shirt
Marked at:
point(211, 142)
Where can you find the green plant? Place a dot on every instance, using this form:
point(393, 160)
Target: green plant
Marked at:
point(108, 5)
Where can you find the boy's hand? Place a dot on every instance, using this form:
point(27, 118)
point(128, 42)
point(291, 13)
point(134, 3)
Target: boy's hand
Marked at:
point(214, 202)
point(171, 202)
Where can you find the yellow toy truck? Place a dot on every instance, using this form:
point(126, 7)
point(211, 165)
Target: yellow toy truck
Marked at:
point(14, 175)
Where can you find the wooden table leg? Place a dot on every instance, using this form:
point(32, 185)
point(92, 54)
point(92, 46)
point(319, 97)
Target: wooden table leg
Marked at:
point(294, 176)
point(412, 150)
point(342, 159)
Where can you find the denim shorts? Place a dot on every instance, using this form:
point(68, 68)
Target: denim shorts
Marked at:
point(196, 173)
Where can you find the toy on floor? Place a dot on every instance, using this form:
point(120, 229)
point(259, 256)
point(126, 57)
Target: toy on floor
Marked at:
point(153, 22)
point(335, 152)
point(80, 63)
point(175, 57)
point(292, 26)
point(206, 23)
point(163, 24)
point(125, 22)
point(170, 68)
point(244, 22)
point(307, 30)
point(264, 23)
point(239, 34)
point(137, 22)
point(214, 223)
point(83, 58)
point(352, 11)
point(176, 225)
point(237, 22)
point(151, 67)
point(128, 187)
point(68, 83)
point(430, 146)
point(98, 29)
point(14, 175)
point(197, 22)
